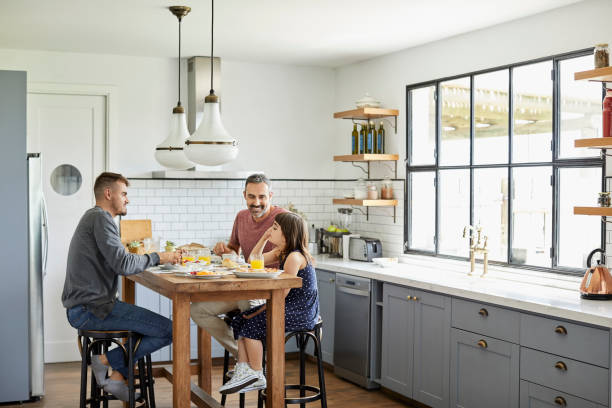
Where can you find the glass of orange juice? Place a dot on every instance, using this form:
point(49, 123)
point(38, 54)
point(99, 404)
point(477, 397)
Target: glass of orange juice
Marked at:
point(188, 256)
point(257, 261)
point(204, 256)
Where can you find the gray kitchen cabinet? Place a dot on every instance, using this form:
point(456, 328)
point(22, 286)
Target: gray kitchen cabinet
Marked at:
point(416, 344)
point(326, 282)
point(484, 371)
point(397, 339)
point(537, 396)
point(431, 373)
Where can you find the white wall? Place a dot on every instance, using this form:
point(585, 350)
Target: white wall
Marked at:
point(279, 114)
point(562, 30)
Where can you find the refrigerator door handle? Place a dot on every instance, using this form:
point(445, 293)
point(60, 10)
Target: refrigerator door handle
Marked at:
point(46, 236)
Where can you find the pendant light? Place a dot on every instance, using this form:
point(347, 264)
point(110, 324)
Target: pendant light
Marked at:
point(170, 153)
point(211, 145)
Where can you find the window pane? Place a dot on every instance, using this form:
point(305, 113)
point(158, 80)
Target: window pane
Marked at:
point(423, 122)
point(578, 234)
point(580, 108)
point(533, 104)
point(423, 207)
point(491, 209)
point(454, 211)
point(455, 118)
point(532, 216)
point(491, 117)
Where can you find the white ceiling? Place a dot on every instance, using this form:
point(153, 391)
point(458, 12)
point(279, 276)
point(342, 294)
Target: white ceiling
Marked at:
point(327, 33)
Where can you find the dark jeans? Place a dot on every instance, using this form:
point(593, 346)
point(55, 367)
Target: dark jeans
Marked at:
point(156, 329)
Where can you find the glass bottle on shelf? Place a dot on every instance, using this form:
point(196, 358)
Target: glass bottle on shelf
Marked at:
point(386, 190)
point(606, 114)
point(380, 140)
point(374, 139)
point(370, 138)
point(602, 56)
point(372, 191)
point(355, 140)
point(359, 190)
point(362, 139)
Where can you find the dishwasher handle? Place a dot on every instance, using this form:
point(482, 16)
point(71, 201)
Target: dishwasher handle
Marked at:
point(350, 291)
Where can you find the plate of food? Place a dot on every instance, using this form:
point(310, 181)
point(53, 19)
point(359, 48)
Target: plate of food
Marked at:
point(203, 275)
point(257, 273)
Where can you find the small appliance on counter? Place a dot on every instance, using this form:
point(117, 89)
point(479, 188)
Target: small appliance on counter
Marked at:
point(597, 281)
point(364, 249)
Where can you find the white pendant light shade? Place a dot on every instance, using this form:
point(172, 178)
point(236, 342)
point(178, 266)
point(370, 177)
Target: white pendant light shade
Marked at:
point(170, 153)
point(211, 145)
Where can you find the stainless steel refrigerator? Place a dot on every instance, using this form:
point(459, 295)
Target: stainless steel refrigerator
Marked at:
point(22, 253)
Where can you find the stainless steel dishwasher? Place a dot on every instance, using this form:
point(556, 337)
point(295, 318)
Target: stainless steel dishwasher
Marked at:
point(352, 346)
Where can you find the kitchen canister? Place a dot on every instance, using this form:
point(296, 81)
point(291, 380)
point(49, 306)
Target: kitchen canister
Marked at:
point(359, 190)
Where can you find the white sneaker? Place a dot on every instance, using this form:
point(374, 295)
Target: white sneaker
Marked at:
point(237, 367)
point(260, 384)
point(242, 378)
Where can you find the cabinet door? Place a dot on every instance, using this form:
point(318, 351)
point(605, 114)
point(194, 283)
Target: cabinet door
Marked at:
point(484, 371)
point(432, 324)
point(327, 303)
point(397, 339)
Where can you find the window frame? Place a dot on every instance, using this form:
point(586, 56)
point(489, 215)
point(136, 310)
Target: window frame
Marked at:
point(556, 163)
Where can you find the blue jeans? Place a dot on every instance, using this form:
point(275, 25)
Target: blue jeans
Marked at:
point(156, 329)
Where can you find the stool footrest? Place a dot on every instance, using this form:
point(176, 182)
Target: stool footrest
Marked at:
point(299, 400)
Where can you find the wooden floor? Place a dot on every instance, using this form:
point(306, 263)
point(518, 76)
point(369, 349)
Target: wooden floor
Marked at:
point(62, 390)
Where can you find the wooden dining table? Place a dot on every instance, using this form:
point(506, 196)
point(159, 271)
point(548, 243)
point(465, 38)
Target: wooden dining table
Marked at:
point(184, 290)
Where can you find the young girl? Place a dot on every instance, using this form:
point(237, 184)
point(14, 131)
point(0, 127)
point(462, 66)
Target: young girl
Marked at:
point(289, 234)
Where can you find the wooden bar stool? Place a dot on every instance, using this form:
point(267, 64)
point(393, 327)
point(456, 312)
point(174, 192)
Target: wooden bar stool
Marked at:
point(98, 342)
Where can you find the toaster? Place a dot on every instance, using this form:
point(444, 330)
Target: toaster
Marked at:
point(364, 249)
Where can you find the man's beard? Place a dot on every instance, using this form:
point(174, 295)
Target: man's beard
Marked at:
point(263, 211)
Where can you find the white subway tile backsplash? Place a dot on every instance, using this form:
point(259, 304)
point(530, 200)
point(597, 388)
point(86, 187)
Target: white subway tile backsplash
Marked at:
point(204, 210)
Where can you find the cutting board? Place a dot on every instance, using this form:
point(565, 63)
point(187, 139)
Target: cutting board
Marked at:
point(134, 230)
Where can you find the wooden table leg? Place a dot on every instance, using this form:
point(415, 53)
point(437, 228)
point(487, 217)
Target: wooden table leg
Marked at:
point(128, 290)
point(204, 360)
point(181, 382)
point(276, 349)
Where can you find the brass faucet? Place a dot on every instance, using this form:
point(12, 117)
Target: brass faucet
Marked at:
point(475, 247)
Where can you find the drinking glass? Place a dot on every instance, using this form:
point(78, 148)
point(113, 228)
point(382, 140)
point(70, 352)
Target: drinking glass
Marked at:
point(257, 261)
point(204, 256)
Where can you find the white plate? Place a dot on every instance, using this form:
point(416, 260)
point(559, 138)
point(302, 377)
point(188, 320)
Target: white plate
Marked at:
point(258, 274)
point(188, 275)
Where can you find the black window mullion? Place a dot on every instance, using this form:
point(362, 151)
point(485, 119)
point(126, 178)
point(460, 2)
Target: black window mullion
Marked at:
point(510, 179)
point(437, 172)
point(407, 186)
point(472, 121)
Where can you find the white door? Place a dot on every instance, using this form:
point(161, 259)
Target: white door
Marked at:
point(69, 131)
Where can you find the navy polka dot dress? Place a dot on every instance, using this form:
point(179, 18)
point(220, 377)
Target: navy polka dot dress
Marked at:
point(301, 309)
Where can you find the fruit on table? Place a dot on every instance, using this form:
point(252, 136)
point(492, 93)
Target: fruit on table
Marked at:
point(342, 230)
point(332, 228)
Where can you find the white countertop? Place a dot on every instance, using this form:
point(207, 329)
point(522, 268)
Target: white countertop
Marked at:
point(539, 292)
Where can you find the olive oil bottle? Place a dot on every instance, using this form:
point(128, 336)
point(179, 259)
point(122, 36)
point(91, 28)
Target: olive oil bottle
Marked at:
point(370, 138)
point(380, 140)
point(362, 139)
point(355, 140)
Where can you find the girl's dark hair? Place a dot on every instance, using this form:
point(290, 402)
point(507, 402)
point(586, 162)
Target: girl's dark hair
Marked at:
point(295, 231)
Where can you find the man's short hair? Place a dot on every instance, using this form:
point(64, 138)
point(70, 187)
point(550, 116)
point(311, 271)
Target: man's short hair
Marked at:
point(106, 180)
point(256, 179)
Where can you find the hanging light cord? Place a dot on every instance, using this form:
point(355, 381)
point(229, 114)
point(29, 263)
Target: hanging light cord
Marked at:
point(212, 42)
point(179, 64)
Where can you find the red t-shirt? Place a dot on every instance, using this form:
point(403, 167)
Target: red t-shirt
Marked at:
point(246, 232)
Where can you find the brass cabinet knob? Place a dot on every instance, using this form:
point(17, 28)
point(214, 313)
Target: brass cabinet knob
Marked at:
point(483, 312)
point(332, 280)
point(560, 365)
point(560, 401)
point(561, 330)
point(415, 298)
point(482, 343)
point(409, 297)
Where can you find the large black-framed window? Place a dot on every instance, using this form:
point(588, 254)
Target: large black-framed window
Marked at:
point(495, 148)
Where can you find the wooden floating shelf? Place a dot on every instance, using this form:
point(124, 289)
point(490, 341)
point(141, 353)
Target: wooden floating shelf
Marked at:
point(598, 74)
point(594, 143)
point(366, 203)
point(366, 157)
point(366, 113)
point(600, 211)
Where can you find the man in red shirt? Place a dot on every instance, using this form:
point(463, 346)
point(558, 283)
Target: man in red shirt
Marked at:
point(249, 226)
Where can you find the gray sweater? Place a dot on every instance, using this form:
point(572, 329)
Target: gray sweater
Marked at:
point(95, 260)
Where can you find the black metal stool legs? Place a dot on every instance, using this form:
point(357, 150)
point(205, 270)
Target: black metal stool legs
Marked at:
point(320, 368)
point(84, 346)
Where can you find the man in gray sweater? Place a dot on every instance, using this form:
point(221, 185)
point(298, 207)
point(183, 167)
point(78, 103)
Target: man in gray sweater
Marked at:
point(96, 258)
